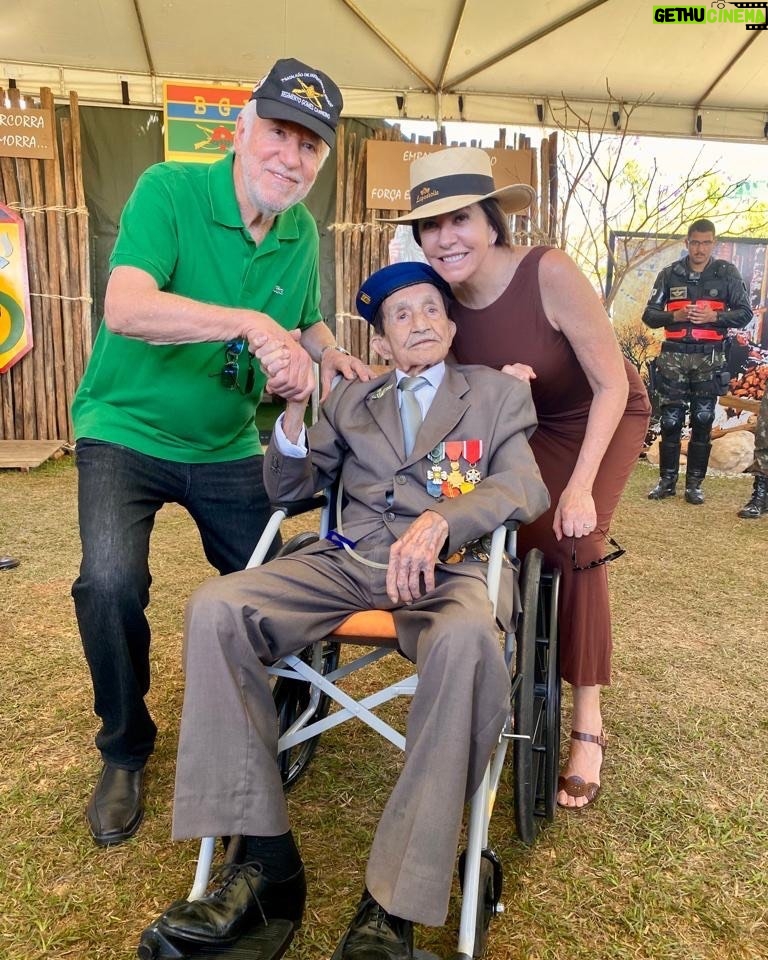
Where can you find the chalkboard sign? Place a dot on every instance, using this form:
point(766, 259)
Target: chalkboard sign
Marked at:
point(26, 132)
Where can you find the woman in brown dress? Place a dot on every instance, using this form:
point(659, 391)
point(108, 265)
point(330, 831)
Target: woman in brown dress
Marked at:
point(530, 312)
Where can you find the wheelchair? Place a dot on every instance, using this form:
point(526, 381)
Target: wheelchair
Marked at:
point(310, 699)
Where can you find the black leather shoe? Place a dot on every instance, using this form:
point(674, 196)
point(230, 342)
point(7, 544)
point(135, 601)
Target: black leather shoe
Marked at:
point(245, 899)
point(116, 808)
point(8, 563)
point(375, 934)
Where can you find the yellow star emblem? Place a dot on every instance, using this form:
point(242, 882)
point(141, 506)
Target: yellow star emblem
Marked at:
point(309, 93)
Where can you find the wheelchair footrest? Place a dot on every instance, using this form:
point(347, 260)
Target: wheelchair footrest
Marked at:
point(268, 942)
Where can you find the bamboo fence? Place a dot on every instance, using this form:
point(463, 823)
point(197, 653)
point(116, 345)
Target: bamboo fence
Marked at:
point(36, 393)
point(362, 235)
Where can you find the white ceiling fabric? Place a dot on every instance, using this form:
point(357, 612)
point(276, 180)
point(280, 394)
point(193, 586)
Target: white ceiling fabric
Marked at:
point(491, 61)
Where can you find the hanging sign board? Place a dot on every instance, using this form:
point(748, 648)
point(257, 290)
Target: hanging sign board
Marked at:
point(25, 132)
point(15, 312)
point(200, 119)
point(388, 181)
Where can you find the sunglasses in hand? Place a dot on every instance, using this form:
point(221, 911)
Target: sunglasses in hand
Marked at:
point(617, 552)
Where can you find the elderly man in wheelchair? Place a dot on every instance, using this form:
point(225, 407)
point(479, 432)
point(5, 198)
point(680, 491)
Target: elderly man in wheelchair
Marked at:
point(414, 495)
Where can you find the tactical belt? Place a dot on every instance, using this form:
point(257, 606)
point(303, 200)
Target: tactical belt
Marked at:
point(671, 346)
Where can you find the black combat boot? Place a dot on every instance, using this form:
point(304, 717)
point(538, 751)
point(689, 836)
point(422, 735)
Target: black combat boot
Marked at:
point(698, 458)
point(669, 464)
point(757, 504)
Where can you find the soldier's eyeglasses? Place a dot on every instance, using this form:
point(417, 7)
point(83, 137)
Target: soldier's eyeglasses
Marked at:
point(614, 555)
point(230, 372)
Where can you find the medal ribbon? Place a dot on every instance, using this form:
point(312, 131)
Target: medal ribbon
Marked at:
point(473, 450)
point(453, 449)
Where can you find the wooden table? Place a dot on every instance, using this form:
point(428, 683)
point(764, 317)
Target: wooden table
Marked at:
point(739, 403)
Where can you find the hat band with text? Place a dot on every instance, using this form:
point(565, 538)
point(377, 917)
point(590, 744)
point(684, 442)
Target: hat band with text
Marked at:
point(454, 185)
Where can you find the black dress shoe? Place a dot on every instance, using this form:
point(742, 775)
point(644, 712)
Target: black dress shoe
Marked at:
point(8, 563)
point(115, 809)
point(375, 934)
point(246, 898)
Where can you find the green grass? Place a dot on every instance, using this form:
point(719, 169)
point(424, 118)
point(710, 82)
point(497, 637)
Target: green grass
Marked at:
point(670, 864)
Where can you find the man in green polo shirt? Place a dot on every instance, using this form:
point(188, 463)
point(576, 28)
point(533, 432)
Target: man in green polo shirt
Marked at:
point(213, 295)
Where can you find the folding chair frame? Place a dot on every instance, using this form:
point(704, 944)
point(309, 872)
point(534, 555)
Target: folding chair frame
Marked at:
point(480, 869)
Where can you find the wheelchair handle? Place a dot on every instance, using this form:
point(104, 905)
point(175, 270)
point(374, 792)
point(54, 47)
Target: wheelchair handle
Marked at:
point(293, 508)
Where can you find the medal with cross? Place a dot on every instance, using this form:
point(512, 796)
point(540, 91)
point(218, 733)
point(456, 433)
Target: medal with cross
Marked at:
point(435, 474)
point(453, 450)
point(473, 450)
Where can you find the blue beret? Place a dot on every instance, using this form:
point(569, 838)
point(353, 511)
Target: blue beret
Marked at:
point(396, 276)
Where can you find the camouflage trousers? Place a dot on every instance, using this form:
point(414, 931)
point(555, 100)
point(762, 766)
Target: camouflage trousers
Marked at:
point(760, 463)
point(682, 376)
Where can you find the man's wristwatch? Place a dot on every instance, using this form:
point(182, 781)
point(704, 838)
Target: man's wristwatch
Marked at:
point(334, 346)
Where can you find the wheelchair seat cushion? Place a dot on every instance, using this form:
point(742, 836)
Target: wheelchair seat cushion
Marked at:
point(377, 625)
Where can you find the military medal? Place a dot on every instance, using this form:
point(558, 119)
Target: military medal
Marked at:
point(473, 450)
point(453, 483)
point(435, 474)
point(453, 450)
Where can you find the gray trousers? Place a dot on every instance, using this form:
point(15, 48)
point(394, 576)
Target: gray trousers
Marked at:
point(227, 780)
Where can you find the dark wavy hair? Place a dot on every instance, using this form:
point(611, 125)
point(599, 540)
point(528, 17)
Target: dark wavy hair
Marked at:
point(493, 214)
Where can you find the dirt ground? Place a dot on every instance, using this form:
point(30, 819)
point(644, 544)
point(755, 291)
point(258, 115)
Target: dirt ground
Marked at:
point(670, 864)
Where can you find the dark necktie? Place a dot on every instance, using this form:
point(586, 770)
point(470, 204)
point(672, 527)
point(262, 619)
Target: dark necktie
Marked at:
point(410, 411)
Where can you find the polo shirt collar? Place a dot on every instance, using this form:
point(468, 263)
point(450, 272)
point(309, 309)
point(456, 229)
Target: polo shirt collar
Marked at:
point(224, 206)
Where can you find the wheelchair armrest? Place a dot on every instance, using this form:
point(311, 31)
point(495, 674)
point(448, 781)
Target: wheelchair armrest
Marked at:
point(280, 511)
point(293, 508)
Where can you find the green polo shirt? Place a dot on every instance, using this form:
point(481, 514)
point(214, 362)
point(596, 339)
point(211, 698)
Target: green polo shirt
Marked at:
point(182, 225)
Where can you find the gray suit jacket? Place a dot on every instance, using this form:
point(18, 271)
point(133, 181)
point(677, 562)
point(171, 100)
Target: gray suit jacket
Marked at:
point(359, 437)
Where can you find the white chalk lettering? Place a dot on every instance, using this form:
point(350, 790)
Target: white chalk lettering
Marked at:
point(18, 140)
point(21, 120)
point(384, 193)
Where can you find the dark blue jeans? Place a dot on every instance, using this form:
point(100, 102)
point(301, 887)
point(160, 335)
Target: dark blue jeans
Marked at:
point(119, 494)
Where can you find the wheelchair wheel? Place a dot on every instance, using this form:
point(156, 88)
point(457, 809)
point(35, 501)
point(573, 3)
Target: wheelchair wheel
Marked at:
point(292, 697)
point(536, 710)
point(291, 700)
point(488, 896)
point(547, 696)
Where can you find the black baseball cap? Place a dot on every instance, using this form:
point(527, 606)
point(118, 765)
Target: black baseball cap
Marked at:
point(300, 93)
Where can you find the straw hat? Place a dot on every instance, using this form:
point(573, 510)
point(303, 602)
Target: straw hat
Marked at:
point(450, 179)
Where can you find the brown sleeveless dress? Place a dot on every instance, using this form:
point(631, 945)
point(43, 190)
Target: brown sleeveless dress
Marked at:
point(515, 329)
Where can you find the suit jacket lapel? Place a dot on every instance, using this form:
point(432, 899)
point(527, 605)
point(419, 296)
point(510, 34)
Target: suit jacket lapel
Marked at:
point(385, 412)
point(448, 407)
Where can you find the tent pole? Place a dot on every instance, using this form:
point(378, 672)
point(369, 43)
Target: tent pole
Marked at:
point(438, 109)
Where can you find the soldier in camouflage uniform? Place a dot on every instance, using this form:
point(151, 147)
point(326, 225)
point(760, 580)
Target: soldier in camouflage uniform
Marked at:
point(696, 300)
point(757, 505)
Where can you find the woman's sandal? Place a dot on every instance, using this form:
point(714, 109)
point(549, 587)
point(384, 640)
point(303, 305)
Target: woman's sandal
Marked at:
point(575, 786)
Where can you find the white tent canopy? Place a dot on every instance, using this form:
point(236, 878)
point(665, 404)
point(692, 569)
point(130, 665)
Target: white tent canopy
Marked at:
point(498, 61)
